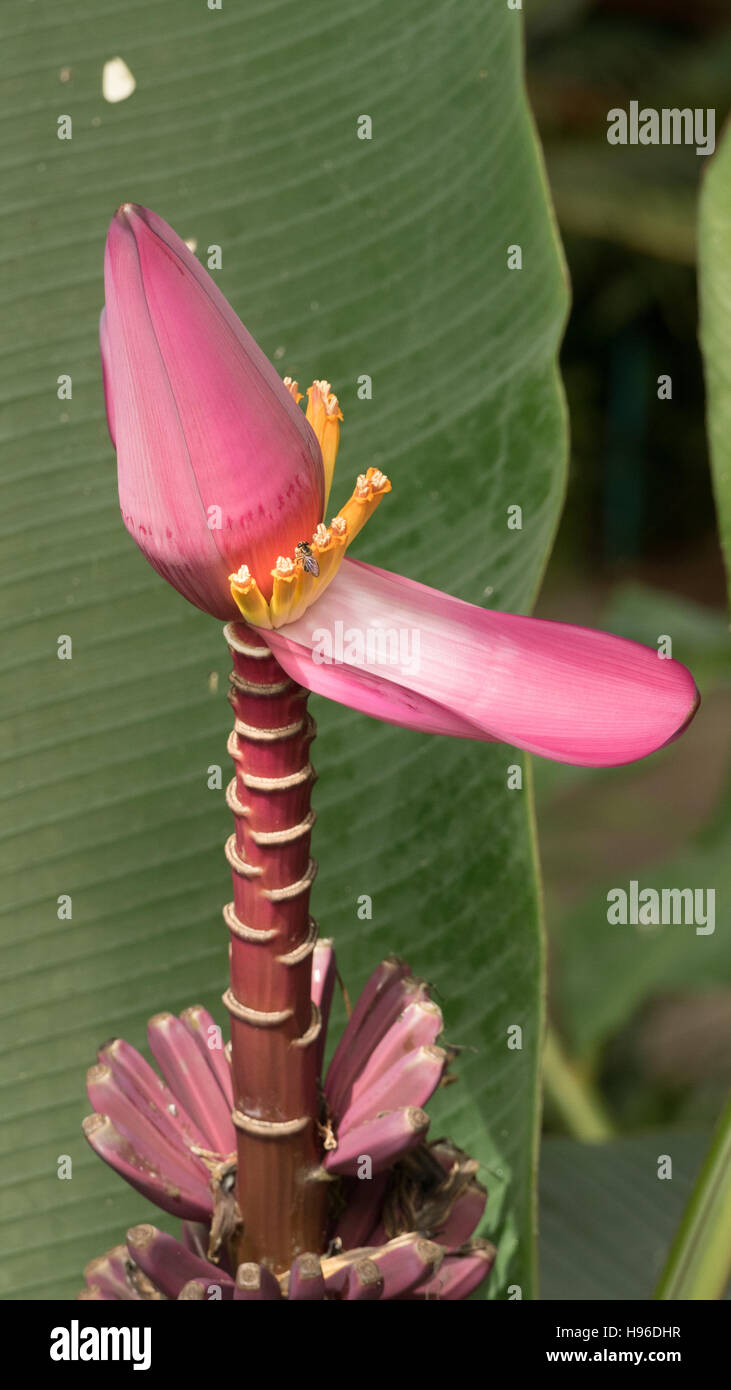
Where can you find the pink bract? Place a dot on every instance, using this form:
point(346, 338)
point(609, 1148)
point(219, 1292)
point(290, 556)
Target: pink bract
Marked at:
point(216, 463)
point(435, 663)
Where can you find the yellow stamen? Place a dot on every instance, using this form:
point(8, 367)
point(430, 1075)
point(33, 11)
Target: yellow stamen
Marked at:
point(294, 588)
point(286, 590)
point(324, 414)
point(370, 487)
point(245, 592)
point(293, 388)
point(328, 548)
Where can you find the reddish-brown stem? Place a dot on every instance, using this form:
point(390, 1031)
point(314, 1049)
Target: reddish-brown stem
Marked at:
point(281, 1190)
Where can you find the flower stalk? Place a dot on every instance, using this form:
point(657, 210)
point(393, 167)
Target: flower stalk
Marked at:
point(281, 1190)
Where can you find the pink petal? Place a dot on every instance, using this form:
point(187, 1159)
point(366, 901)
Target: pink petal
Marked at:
point(565, 692)
point(200, 419)
point(106, 373)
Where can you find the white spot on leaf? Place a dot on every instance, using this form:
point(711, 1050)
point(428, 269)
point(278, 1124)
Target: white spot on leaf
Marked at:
point(117, 80)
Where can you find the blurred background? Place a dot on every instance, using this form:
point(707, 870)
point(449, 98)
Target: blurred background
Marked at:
point(642, 1019)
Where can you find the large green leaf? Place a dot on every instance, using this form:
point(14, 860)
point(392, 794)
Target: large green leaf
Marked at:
point(607, 1218)
point(608, 970)
point(714, 272)
point(629, 824)
point(344, 257)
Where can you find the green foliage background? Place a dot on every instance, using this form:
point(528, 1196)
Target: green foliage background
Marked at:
point(714, 253)
point(342, 256)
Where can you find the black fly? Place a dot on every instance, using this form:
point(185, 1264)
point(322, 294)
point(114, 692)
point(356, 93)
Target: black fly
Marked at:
point(303, 553)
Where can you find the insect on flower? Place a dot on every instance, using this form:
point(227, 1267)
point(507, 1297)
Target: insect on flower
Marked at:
point(303, 553)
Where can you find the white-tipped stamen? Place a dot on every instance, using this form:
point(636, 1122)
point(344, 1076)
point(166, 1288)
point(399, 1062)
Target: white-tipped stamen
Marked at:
point(242, 575)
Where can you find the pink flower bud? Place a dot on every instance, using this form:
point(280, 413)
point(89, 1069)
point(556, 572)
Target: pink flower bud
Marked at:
point(217, 465)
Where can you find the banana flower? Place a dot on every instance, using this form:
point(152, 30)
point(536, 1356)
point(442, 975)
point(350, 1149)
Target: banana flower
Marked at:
point(224, 483)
